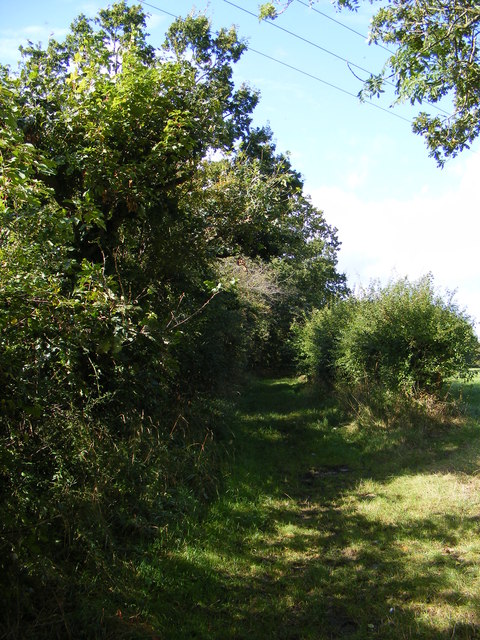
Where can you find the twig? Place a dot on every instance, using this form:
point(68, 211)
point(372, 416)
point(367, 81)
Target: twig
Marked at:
point(96, 374)
point(195, 313)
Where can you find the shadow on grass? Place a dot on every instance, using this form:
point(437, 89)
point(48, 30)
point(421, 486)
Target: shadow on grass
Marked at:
point(285, 552)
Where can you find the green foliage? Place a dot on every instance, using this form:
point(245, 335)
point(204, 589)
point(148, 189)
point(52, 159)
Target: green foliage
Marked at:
point(435, 57)
point(254, 208)
point(402, 339)
point(407, 337)
point(271, 10)
point(267, 10)
point(318, 340)
point(139, 277)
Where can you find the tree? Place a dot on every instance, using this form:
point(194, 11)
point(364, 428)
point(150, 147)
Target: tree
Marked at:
point(255, 211)
point(101, 266)
point(127, 129)
point(435, 57)
point(137, 274)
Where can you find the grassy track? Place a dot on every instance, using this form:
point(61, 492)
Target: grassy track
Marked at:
point(324, 530)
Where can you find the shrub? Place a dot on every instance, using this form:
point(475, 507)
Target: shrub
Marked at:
point(403, 338)
point(318, 340)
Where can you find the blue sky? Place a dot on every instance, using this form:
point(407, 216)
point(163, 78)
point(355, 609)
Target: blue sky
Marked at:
point(397, 214)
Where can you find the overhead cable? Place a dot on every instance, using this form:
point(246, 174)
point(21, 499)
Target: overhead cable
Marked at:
point(349, 63)
point(158, 9)
point(364, 37)
point(342, 24)
point(298, 70)
point(329, 84)
point(299, 37)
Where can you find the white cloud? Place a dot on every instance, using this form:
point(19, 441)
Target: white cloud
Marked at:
point(11, 40)
point(91, 8)
point(437, 233)
point(154, 21)
point(357, 176)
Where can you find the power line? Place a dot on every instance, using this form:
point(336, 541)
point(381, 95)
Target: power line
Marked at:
point(328, 51)
point(364, 37)
point(298, 70)
point(329, 84)
point(342, 24)
point(172, 15)
point(299, 37)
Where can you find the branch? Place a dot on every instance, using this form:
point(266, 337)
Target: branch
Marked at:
point(195, 313)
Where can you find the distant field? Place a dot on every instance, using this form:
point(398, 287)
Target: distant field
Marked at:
point(323, 530)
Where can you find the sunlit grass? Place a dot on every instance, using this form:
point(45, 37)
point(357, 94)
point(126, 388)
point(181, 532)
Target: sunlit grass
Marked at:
point(325, 529)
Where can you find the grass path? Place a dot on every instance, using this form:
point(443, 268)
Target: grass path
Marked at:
point(325, 531)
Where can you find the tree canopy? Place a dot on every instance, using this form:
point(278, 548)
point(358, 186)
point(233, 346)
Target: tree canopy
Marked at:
point(435, 56)
point(150, 240)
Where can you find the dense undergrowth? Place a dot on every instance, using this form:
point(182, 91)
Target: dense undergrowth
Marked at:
point(153, 247)
point(79, 504)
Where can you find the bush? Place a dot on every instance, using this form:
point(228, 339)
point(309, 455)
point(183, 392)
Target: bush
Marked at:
point(402, 338)
point(318, 340)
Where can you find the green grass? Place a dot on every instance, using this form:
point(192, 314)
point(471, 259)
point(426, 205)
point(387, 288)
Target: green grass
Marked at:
point(325, 530)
